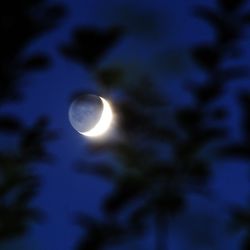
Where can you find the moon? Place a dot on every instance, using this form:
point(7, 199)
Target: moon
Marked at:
point(91, 115)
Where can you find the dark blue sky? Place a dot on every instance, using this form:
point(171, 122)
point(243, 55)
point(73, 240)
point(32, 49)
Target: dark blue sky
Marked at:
point(64, 190)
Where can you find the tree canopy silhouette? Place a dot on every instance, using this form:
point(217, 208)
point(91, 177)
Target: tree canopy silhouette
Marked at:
point(147, 185)
point(21, 22)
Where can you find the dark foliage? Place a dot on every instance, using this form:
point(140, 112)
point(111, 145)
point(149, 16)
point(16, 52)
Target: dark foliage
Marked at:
point(146, 185)
point(90, 45)
point(101, 233)
point(110, 77)
point(20, 23)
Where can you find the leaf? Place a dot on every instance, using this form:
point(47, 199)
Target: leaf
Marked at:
point(139, 216)
point(101, 234)
point(55, 13)
point(244, 100)
point(32, 144)
point(47, 19)
point(36, 62)
point(10, 124)
point(199, 172)
point(233, 73)
point(245, 245)
point(208, 15)
point(219, 114)
point(164, 133)
point(168, 202)
point(86, 221)
point(235, 151)
point(240, 219)
point(188, 119)
point(206, 56)
point(102, 170)
point(206, 135)
point(227, 27)
point(26, 195)
point(128, 190)
point(110, 77)
point(90, 44)
point(246, 18)
point(231, 5)
point(208, 92)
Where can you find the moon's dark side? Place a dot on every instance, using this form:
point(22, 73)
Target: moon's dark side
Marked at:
point(85, 112)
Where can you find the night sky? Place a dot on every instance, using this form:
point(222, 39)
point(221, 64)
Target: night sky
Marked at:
point(157, 32)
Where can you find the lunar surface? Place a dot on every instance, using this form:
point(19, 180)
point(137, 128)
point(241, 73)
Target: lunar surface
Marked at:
point(90, 115)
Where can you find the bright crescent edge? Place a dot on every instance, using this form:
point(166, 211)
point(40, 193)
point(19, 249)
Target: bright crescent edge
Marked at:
point(104, 123)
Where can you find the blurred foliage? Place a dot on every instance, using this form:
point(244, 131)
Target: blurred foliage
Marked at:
point(21, 22)
point(100, 233)
point(90, 45)
point(165, 152)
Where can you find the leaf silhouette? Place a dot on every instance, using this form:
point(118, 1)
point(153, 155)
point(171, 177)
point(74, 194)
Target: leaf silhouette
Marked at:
point(110, 77)
point(227, 27)
point(206, 56)
point(207, 93)
point(102, 170)
point(128, 189)
point(36, 62)
point(208, 15)
point(235, 151)
point(100, 233)
point(240, 222)
point(231, 5)
point(233, 73)
point(246, 18)
point(244, 99)
point(90, 44)
point(219, 114)
point(10, 124)
point(32, 143)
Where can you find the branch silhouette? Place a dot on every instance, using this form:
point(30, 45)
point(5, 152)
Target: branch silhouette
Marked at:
point(146, 185)
point(21, 22)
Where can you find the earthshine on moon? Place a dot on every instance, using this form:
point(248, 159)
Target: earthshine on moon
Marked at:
point(90, 115)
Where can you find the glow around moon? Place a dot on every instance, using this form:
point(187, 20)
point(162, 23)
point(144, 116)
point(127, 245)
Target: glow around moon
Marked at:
point(90, 115)
point(104, 123)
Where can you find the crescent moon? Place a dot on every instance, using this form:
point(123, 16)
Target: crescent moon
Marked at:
point(104, 123)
